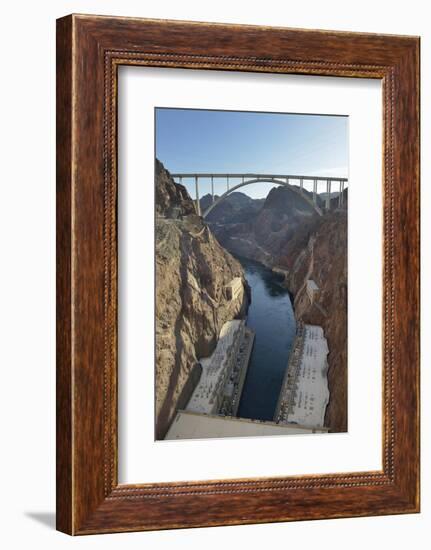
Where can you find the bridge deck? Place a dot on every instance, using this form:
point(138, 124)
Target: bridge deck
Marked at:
point(256, 176)
point(250, 178)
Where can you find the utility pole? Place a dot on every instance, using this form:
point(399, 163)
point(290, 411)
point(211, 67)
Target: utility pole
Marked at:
point(198, 204)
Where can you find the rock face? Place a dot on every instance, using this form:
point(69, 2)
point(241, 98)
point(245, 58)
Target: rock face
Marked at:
point(172, 199)
point(236, 208)
point(262, 235)
point(288, 236)
point(192, 272)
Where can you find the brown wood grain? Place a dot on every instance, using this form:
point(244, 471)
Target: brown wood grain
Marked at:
point(64, 496)
point(89, 51)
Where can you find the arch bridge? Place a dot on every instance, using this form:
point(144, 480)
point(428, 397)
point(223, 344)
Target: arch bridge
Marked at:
point(278, 179)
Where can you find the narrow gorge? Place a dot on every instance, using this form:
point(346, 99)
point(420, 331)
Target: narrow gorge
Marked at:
point(198, 264)
point(283, 232)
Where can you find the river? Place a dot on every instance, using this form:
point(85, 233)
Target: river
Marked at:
point(271, 316)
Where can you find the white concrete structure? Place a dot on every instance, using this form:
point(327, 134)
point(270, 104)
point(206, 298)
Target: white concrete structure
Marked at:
point(216, 369)
point(312, 290)
point(191, 425)
point(234, 289)
point(305, 394)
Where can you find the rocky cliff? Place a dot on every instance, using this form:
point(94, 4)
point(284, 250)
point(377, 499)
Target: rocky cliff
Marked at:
point(235, 208)
point(262, 235)
point(192, 271)
point(318, 252)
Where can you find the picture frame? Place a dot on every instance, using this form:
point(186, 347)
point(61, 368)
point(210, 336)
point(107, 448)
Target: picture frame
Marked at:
point(89, 51)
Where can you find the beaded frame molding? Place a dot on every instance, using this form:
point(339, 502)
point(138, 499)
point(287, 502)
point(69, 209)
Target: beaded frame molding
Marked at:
point(89, 51)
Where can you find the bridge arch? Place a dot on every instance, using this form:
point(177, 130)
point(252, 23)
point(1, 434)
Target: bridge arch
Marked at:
point(262, 180)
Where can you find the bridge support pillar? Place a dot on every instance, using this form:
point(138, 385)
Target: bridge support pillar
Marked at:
point(227, 183)
point(314, 191)
point(340, 196)
point(198, 204)
point(212, 188)
point(328, 195)
point(301, 185)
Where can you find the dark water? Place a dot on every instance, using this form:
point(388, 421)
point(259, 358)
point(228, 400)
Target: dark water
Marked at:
point(271, 316)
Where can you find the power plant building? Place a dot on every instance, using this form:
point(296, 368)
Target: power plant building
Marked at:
point(209, 394)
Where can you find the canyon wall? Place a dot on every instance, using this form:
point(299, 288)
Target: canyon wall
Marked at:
point(260, 233)
point(319, 253)
point(192, 271)
point(288, 236)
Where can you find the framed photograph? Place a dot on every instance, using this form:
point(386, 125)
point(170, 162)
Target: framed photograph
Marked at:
point(237, 274)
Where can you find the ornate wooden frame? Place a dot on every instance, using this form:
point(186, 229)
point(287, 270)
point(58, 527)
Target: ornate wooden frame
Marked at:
point(89, 51)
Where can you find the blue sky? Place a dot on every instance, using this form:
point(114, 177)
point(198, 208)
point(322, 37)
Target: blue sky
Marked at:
point(189, 140)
